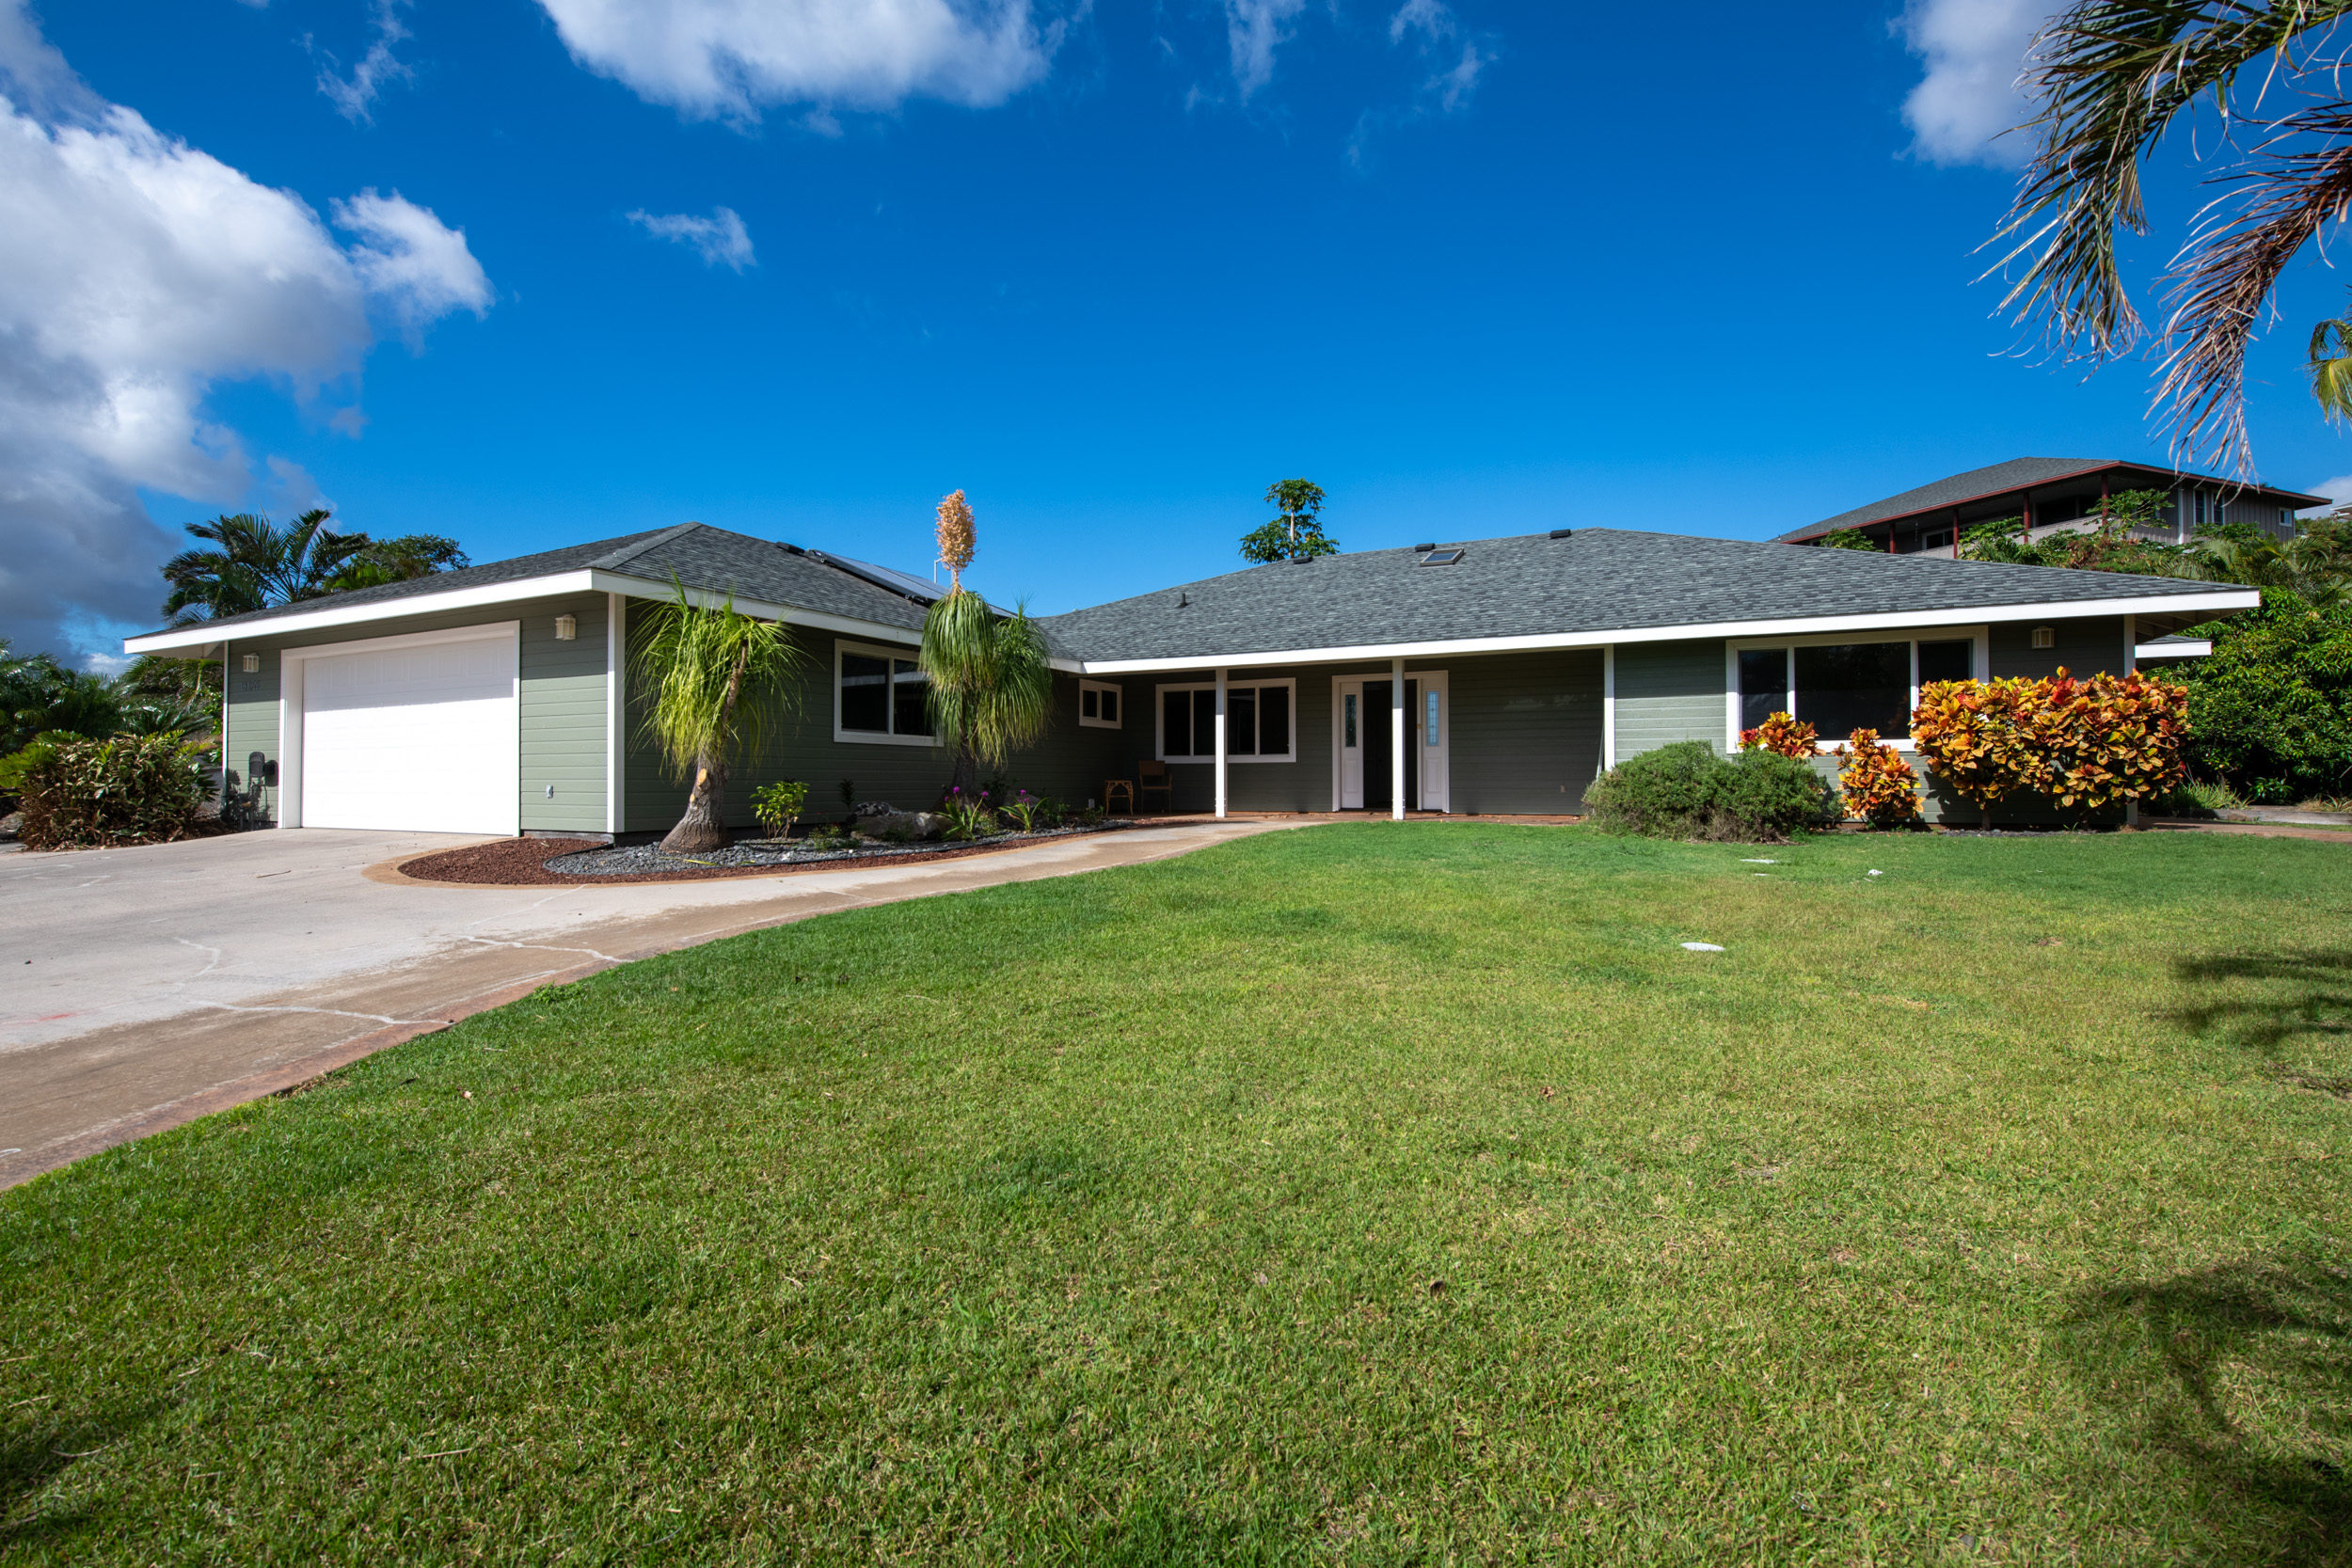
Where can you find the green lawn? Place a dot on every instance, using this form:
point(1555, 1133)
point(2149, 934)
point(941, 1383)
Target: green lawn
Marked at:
point(1363, 1193)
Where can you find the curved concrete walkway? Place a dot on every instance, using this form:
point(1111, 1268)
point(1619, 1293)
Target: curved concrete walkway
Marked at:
point(140, 988)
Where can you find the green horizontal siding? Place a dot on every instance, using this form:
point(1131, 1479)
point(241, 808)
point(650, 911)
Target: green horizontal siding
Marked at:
point(563, 716)
point(1669, 691)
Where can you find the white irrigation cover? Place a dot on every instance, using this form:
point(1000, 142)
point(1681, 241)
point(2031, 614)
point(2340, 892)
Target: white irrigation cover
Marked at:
point(1701, 948)
point(1748, 862)
point(1878, 873)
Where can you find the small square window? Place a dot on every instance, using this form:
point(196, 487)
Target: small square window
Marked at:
point(1097, 705)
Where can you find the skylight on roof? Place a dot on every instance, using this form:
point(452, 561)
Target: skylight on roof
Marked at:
point(1440, 557)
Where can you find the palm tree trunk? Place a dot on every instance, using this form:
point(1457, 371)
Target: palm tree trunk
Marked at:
point(966, 774)
point(704, 826)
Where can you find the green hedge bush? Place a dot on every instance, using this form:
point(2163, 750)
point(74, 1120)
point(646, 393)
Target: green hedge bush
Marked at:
point(1687, 791)
point(132, 789)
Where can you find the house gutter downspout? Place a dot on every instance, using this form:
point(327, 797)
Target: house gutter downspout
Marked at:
point(1397, 741)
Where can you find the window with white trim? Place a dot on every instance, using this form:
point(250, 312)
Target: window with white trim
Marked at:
point(880, 695)
point(1260, 722)
point(1099, 705)
point(1838, 687)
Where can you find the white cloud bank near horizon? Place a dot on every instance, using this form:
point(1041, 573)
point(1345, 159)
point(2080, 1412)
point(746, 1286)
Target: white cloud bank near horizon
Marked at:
point(721, 239)
point(729, 59)
point(137, 273)
point(1974, 51)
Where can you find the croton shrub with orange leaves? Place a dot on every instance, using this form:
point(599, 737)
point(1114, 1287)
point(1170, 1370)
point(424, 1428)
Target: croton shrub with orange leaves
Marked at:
point(1790, 738)
point(2087, 744)
point(1877, 784)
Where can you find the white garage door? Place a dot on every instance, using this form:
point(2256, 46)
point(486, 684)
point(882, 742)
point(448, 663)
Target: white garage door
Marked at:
point(420, 739)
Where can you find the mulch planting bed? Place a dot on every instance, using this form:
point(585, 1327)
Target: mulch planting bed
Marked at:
point(525, 861)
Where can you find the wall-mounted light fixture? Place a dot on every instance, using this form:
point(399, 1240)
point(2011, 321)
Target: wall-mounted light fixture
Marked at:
point(567, 628)
point(2044, 637)
point(251, 664)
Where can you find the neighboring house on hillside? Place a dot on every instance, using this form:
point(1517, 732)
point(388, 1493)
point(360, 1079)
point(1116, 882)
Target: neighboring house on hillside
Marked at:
point(1491, 677)
point(2053, 495)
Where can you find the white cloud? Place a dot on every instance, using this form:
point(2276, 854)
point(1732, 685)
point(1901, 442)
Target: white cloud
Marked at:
point(135, 272)
point(1253, 30)
point(1432, 18)
point(1974, 50)
point(730, 58)
point(720, 238)
point(355, 95)
point(2338, 489)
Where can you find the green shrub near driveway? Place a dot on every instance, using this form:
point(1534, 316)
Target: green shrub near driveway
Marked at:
point(1687, 791)
point(132, 789)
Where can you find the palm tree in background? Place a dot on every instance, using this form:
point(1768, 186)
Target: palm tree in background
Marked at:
point(254, 564)
point(2112, 78)
point(717, 680)
point(991, 684)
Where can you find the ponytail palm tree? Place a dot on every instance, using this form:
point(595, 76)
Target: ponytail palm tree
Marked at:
point(992, 690)
point(717, 679)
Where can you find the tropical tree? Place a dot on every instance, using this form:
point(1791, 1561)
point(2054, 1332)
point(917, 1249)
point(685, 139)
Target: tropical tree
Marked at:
point(398, 560)
point(717, 680)
point(1849, 539)
point(38, 695)
point(2113, 77)
point(992, 686)
point(1296, 534)
point(254, 564)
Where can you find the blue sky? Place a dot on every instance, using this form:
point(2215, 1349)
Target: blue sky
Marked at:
point(1476, 268)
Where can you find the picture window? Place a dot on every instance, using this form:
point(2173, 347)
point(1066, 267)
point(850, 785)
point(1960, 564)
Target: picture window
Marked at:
point(880, 694)
point(1258, 722)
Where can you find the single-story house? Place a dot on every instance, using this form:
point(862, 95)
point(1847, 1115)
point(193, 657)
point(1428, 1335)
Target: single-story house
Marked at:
point(2048, 496)
point(1484, 676)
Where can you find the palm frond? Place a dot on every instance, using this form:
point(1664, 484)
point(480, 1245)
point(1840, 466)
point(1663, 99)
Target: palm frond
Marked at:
point(2223, 277)
point(2331, 365)
point(717, 680)
point(992, 686)
point(2112, 77)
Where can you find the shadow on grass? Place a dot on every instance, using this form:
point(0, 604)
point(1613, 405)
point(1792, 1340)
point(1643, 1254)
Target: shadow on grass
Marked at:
point(2266, 1000)
point(2241, 1375)
point(36, 1454)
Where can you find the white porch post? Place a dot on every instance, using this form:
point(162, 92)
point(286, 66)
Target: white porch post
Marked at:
point(1397, 741)
point(1220, 745)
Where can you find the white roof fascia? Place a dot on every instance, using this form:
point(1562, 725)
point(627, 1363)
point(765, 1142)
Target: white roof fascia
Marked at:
point(181, 638)
point(188, 640)
point(2218, 599)
point(2181, 647)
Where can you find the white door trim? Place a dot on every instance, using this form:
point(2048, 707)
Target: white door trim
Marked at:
point(1344, 685)
point(290, 663)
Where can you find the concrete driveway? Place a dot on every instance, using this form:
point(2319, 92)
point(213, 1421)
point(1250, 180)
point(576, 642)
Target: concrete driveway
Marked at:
point(142, 988)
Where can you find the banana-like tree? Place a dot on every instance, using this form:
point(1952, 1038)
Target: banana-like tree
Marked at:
point(716, 681)
point(992, 686)
point(2112, 77)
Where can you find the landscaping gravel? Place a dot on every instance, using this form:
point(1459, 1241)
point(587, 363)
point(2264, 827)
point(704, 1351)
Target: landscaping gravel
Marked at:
point(540, 862)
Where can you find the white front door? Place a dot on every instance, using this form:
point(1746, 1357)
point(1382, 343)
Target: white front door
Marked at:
point(1432, 739)
point(421, 737)
point(1347, 716)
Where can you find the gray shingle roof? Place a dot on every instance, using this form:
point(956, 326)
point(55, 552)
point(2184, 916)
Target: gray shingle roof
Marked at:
point(1599, 579)
point(702, 556)
point(2015, 474)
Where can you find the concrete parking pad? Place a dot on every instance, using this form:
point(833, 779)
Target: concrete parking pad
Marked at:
point(142, 988)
